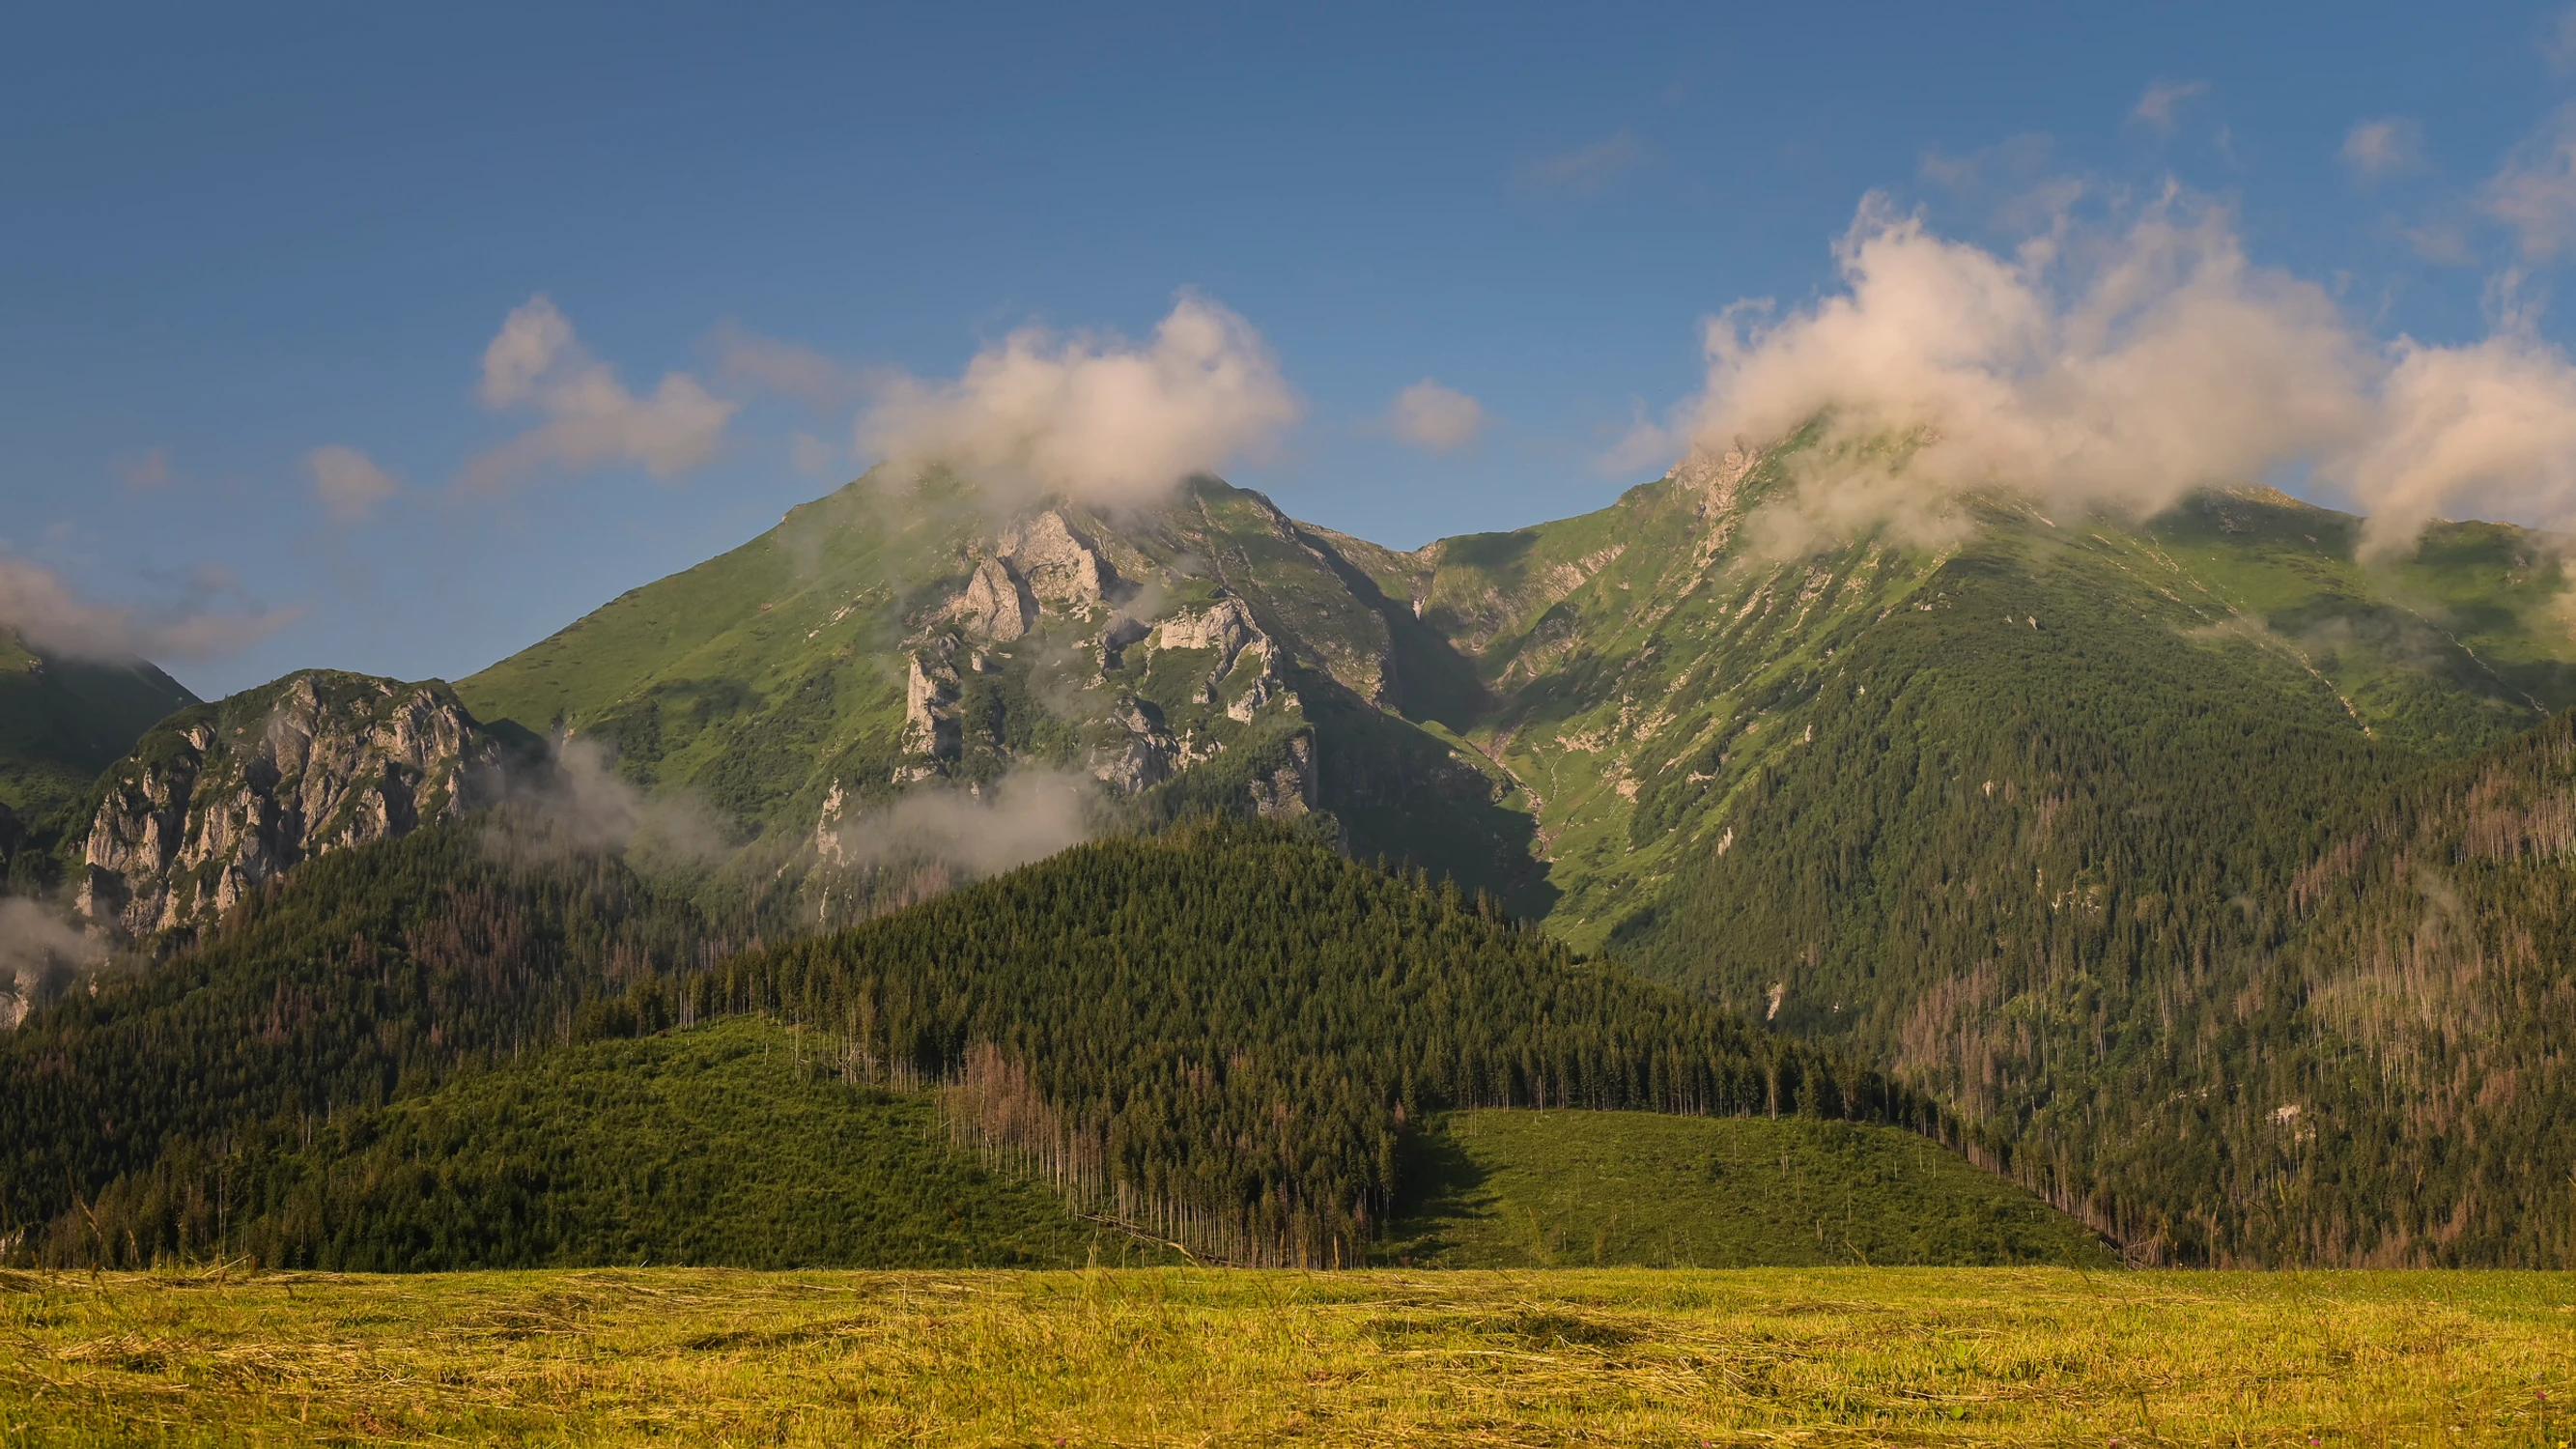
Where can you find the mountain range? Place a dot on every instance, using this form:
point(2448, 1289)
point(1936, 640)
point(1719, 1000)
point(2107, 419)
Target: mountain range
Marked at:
point(2196, 875)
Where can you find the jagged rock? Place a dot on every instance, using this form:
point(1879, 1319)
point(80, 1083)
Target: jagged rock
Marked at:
point(828, 847)
point(1290, 789)
point(1058, 565)
point(1147, 756)
point(1227, 627)
point(223, 798)
point(996, 605)
point(929, 715)
point(1122, 631)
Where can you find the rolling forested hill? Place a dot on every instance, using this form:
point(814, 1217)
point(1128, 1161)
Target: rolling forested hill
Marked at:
point(1218, 1040)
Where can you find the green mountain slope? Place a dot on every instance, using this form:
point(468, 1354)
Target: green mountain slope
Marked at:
point(64, 720)
point(1524, 1189)
point(1210, 652)
point(2019, 815)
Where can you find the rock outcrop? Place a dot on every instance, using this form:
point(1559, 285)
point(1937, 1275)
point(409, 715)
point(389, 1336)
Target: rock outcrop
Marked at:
point(1227, 627)
point(1289, 788)
point(219, 799)
point(1059, 565)
point(1146, 758)
point(929, 714)
point(996, 605)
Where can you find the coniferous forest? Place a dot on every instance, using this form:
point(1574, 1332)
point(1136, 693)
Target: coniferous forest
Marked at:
point(1213, 1040)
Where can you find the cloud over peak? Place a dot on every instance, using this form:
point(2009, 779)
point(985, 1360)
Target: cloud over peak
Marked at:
point(1093, 416)
point(535, 362)
point(2124, 368)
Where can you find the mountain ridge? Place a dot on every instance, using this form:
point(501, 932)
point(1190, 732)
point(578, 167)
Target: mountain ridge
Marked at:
point(2017, 804)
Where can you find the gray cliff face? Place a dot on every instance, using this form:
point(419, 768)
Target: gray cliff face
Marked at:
point(220, 799)
point(1169, 665)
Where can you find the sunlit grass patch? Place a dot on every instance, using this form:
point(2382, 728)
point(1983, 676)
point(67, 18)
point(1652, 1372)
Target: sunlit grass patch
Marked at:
point(1907, 1356)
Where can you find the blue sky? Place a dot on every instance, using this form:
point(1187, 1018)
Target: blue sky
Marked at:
point(231, 241)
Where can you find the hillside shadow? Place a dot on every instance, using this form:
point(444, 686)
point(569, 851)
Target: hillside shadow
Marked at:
point(1433, 680)
point(1439, 1185)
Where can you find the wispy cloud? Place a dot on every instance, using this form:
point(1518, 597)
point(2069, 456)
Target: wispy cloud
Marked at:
point(1434, 418)
point(2440, 242)
point(1586, 170)
point(746, 358)
point(50, 616)
point(2558, 42)
point(347, 483)
point(143, 472)
point(2389, 146)
point(812, 456)
point(1093, 416)
point(2534, 192)
point(2161, 105)
point(1031, 814)
point(536, 363)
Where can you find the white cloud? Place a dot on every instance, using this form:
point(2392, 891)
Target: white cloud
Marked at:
point(2161, 106)
point(2535, 191)
point(536, 362)
point(348, 483)
point(44, 611)
point(2122, 370)
point(144, 472)
point(1434, 418)
point(2171, 362)
point(1094, 417)
point(2488, 429)
point(1586, 170)
point(2389, 146)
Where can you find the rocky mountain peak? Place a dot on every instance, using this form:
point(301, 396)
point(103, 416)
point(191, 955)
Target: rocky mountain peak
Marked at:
point(221, 798)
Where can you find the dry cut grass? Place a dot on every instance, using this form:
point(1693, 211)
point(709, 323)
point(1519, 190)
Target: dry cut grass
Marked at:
point(1189, 1357)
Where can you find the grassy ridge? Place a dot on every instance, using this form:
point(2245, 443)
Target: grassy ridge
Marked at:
point(2033, 1356)
point(724, 1145)
point(1522, 1189)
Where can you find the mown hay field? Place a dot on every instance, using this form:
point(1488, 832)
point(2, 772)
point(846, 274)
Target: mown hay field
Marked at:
point(1192, 1357)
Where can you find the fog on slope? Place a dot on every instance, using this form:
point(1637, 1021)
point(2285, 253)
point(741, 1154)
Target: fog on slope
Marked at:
point(38, 955)
point(1027, 815)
